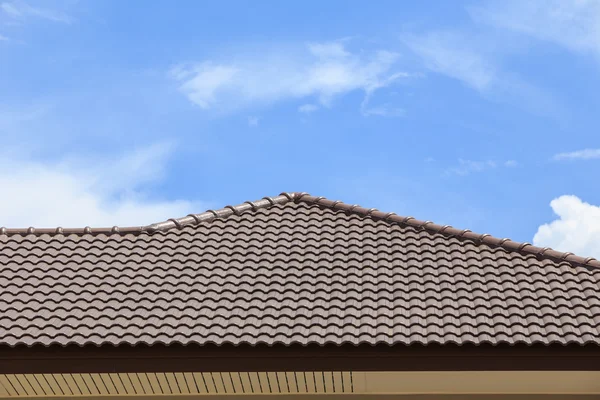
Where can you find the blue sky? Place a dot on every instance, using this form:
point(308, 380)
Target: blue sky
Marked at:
point(481, 115)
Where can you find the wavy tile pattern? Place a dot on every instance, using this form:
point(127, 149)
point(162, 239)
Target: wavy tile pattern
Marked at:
point(290, 273)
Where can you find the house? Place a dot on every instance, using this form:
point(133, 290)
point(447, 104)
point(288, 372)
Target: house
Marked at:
point(297, 297)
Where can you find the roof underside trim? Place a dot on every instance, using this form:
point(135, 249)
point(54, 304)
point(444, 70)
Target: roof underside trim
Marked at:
point(92, 359)
point(317, 385)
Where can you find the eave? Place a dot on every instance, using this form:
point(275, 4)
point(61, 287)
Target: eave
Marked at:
point(432, 372)
point(75, 359)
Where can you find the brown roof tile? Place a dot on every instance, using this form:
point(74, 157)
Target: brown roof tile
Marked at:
point(291, 269)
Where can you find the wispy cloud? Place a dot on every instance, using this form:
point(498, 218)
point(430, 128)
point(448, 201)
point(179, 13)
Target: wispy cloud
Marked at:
point(577, 228)
point(586, 154)
point(573, 24)
point(20, 10)
point(385, 110)
point(74, 192)
point(3, 38)
point(467, 167)
point(10, 9)
point(452, 54)
point(323, 71)
point(308, 108)
point(475, 56)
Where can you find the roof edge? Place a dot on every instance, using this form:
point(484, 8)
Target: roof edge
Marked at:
point(114, 230)
point(171, 223)
point(227, 211)
point(447, 230)
point(234, 358)
point(285, 197)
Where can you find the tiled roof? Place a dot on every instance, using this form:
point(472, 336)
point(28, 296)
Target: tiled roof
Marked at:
point(291, 269)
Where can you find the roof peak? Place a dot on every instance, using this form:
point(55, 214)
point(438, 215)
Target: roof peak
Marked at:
point(286, 197)
point(447, 230)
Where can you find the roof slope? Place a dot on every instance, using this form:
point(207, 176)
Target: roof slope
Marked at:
point(291, 269)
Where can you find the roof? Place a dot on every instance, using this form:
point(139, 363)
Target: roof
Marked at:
point(291, 269)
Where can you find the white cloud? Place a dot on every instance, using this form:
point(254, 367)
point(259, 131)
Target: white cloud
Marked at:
point(22, 10)
point(320, 70)
point(452, 54)
point(308, 108)
point(202, 82)
point(573, 24)
point(3, 38)
point(467, 167)
point(577, 228)
point(253, 121)
point(586, 154)
point(94, 192)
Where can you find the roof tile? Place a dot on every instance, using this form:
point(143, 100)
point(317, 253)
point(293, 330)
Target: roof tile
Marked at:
point(290, 269)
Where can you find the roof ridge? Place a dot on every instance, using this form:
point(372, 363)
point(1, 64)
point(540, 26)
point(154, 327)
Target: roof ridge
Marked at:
point(190, 219)
point(227, 211)
point(114, 230)
point(286, 197)
point(447, 230)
